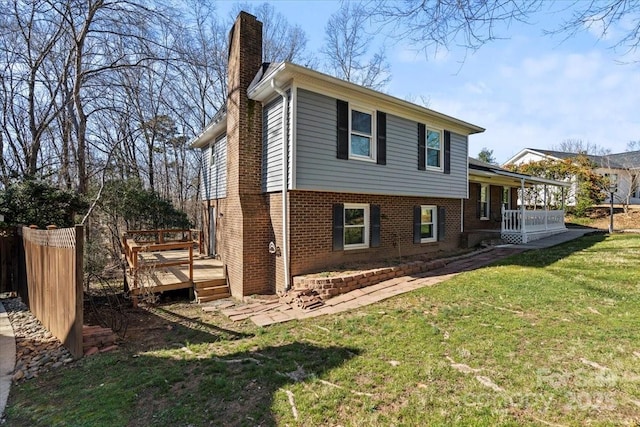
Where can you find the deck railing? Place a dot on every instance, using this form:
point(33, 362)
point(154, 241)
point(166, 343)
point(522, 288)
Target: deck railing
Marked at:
point(136, 242)
point(522, 227)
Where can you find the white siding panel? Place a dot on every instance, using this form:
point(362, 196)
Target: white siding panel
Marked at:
point(319, 169)
point(214, 170)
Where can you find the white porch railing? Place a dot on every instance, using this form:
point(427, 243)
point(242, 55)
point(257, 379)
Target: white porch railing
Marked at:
point(541, 223)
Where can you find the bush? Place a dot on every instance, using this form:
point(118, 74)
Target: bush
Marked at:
point(34, 201)
point(139, 208)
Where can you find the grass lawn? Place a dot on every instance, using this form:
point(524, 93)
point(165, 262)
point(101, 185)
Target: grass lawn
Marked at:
point(547, 337)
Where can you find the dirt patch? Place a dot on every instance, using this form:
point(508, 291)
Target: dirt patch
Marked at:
point(598, 217)
point(172, 322)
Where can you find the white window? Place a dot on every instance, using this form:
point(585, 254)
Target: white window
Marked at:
point(428, 224)
point(361, 135)
point(484, 201)
point(506, 198)
point(356, 226)
point(434, 148)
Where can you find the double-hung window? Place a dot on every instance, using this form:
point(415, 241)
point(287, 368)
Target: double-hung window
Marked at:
point(361, 135)
point(356, 226)
point(428, 224)
point(484, 201)
point(434, 148)
point(506, 198)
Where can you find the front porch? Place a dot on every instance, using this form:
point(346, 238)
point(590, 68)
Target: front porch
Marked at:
point(516, 207)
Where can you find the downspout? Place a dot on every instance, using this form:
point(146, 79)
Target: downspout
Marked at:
point(285, 179)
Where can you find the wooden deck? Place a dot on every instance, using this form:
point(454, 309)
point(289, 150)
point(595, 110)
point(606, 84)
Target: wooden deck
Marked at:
point(156, 268)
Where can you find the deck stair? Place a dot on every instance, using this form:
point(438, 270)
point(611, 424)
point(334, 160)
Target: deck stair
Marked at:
point(211, 290)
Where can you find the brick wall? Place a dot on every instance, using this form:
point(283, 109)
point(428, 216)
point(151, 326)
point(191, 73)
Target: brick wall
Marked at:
point(311, 229)
point(471, 220)
point(245, 222)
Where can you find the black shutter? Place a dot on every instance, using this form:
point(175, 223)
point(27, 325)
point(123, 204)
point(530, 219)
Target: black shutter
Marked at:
point(338, 227)
point(441, 223)
point(447, 152)
point(374, 220)
point(422, 149)
point(479, 202)
point(417, 224)
point(342, 108)
point(381, 125)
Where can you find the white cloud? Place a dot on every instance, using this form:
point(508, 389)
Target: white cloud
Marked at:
point(549, 98)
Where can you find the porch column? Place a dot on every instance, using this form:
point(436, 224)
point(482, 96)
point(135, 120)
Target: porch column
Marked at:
point(523, 232)
point(546, 208)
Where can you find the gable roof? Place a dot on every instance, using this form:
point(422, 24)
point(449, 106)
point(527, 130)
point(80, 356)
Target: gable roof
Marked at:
point(630, 159)
point(281, 74)
point(480, 168)
point(626, 160)
point(217, 124)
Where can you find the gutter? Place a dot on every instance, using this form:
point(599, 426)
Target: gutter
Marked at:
point(285, 176)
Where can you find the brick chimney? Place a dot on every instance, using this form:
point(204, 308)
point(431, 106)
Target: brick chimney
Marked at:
point(246, 224)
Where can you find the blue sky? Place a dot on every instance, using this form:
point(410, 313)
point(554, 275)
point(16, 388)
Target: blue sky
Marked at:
point(530, 90)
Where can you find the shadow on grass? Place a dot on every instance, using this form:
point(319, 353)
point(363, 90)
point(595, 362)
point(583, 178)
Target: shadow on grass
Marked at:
point(547, 256)
point(179, 388)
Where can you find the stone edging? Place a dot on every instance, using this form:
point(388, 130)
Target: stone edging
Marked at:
point(328, 287)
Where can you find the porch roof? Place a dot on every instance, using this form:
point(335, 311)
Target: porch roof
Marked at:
point(480, 169)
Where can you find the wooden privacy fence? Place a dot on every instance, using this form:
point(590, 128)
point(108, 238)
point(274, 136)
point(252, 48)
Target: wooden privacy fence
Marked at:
point(53, 267)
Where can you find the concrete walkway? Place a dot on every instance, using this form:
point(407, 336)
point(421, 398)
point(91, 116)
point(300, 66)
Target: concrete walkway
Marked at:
point(7, 358)
point(557, 239)
point(270, 312)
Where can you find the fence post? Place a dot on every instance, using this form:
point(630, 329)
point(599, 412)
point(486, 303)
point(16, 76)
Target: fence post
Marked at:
point(77, 325)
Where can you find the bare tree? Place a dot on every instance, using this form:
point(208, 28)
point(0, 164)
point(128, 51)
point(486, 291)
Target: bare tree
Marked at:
point(578, 146)
point(622, 171)
point(347, 45)
point(281, 41)
point(472, 23)
point(633, 146)
point(200, 88)
point(29, 36)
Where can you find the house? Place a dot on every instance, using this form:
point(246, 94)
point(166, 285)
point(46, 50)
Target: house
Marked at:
point(493, 208)
point(303, 172)
point(624, 168)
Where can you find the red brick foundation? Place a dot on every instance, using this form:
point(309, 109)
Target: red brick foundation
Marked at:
point(311, 230)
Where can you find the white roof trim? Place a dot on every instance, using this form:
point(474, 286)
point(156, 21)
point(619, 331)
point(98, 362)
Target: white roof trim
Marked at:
point(214, 129)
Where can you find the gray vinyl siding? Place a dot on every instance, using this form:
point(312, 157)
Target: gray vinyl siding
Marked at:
point(317, 167)
point(272, 146)
point(214, 176)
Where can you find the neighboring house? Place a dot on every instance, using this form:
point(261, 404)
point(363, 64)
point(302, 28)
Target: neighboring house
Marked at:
point(493, 206)
point(623, 167)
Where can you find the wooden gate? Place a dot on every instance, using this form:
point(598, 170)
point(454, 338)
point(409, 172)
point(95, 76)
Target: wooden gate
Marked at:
point(8, 261)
